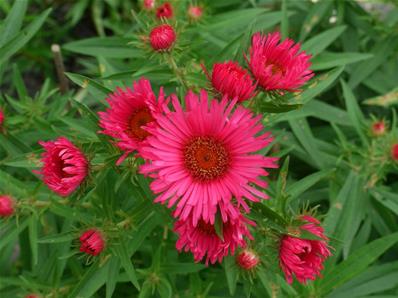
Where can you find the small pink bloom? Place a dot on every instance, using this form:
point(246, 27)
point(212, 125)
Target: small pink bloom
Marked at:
point(1, 118)
point(247, 259)
point(64, 166)
point(6, 206)
point(379, 128)
point(165, 11)
point(304, 258)
point(162, 37)
point(232, 80)
point(131, 109)
point(394, 152)
point(149, 4)
point(32, 296)
point(203, 242)
point(278, 66)
point(195, 12)
point(204, 155)
point(92, 242)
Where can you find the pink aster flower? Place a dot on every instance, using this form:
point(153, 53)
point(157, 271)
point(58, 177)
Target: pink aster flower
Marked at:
point(394, 152)
point(232, 80)
point(195, 12)
point(203, 242)
point(162, 37)
point(92, 242)
point(165, 11)
point(64, 166)
point(6, 206)
point(130, 110)
point(206, 154)
point(304, 258)
point(247, 259)
point(278, 66)
point(149, 4)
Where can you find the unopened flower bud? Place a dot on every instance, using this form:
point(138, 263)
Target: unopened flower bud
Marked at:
point(6, 206)
point(247, 259)
point(92, 242)
point(162, 37)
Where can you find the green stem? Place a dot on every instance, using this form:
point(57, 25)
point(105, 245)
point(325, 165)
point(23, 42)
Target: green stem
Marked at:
point(177, 71)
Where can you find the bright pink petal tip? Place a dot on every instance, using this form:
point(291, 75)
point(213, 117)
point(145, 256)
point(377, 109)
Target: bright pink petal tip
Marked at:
point(304, 258)
point(204, 243)
point(276, 65)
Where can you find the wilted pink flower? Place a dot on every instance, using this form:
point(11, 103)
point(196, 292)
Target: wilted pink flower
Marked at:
point(394, 152)
point(165, 11)
point(379, 128)
point(278, 66)
point(64, 166)
point(92, 242)
point(149, 4)
point(232, 80)
point(162, 37)
point(304, 258)
point(130, 110)
point(6, 206)
point(247, 259)
point(204, 155)
point(195, 12)
point(202, 240)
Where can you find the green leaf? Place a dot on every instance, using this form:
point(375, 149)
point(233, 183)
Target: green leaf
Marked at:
point(11, 231)
point(97, 90)
point(58, 238)
point(317, 86)
point(354, 112)
point(181, 268)
point(314, 16)
point(231, 273)
point(218, 226)
point(113, 274)
point(319, 42)
point(356, 263)
point(121, 252)
point(107, 47)
point(329, 60)
point(23, 37)
point(387, 198)
point(33, 232)
point(12, 24)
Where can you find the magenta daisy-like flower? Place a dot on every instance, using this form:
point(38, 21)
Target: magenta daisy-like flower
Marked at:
point(130, 110)
point(276, 65)
point(64, 166)
point(203, 156)
point(203, 242)
point(303, 258)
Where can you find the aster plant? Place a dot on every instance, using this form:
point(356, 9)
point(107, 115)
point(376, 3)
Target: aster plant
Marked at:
point(198, 149)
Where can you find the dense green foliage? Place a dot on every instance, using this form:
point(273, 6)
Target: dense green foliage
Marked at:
point(329, 158)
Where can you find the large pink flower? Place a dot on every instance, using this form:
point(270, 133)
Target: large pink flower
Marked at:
point(278, 66)
point(232, 80)
point(130, 110)
point(304, 258)
point(64, 166)
point(203, 241)
point(203, 156)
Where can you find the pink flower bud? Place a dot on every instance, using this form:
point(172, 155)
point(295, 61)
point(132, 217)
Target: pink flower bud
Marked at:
point(379, 128)
point(1, 118)
point(232, 80)
point(64, 166)
point(247, 259)
point(195, 12)
point(149, 4)
point(162, 37)
point(6, 206)
point(303, 258)
point(92, 242)
point(394, 152)
point(165, 11)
